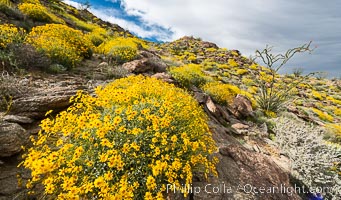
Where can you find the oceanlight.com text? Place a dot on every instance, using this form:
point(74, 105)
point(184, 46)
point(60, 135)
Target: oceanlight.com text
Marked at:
point(246, 188)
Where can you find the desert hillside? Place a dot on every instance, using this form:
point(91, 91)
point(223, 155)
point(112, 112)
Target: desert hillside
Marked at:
point(90, 111)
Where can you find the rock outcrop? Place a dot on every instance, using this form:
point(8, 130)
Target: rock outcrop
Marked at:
point(241, 106)
point(36, 105)
point(149, 63)
point(244, 174)
point(243, 171)
point(12, 137)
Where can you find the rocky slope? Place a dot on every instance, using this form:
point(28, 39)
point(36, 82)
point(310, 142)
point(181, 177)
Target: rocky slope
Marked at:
point(239, 164)
point(249, 159)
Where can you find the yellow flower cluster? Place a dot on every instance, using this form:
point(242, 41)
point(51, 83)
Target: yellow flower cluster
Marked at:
point(248, 82)
point(337, 112)
point(9, 34)
point(254, 66)
point(121, 49)
point(136, 136)
point(242, 71)
point(97, 36)
point(222, 93)
point(64, 45)
point(232, 63)
point(189, 75)
point(35, 11)
point(318, 95)
point(333, 100)
point(323, 115)
point(38, 12)
point(270, 114)
point(265, 78)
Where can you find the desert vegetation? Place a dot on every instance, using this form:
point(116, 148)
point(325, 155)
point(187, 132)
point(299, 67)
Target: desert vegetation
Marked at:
point(125, 133)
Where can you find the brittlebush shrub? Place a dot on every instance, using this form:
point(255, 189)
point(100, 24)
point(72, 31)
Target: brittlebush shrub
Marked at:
point(121, 49)
point(64, 45)
point(136, 136)
point(122, 54)
point(221, 93)
point(10, 34)
point(323, 115)
point(189, 75)
point(97, 36)
point(38, 12)
point(225, 93)
point(35, 12)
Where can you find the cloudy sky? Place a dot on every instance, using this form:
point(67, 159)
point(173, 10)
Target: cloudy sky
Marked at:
point(242, 25)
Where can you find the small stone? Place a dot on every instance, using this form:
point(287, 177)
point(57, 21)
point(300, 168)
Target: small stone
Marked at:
point(256, 148)
point(241, 107)
point(200, 97)
point(210, 105)
point(103, 65)
point(163, 76)
point(240, 126)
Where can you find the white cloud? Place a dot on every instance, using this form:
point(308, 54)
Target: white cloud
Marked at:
point(228, 23)
point(114, 16)
point(129, 25)
point(250, 25)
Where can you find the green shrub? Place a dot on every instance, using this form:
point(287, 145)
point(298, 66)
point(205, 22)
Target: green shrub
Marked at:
point(273, 93)
point(312, 159)
point(7, 8)
point(136, 136)
point(115, 72)
point(10, 36)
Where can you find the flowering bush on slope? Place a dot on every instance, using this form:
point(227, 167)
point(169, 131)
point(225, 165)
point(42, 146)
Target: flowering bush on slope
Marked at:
point(121, 49)
point(9, 34)
point(35, 11)
point(64, 45)
point(225, 93)
point(190, 74)
point(131, 140)
point(38, 12)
